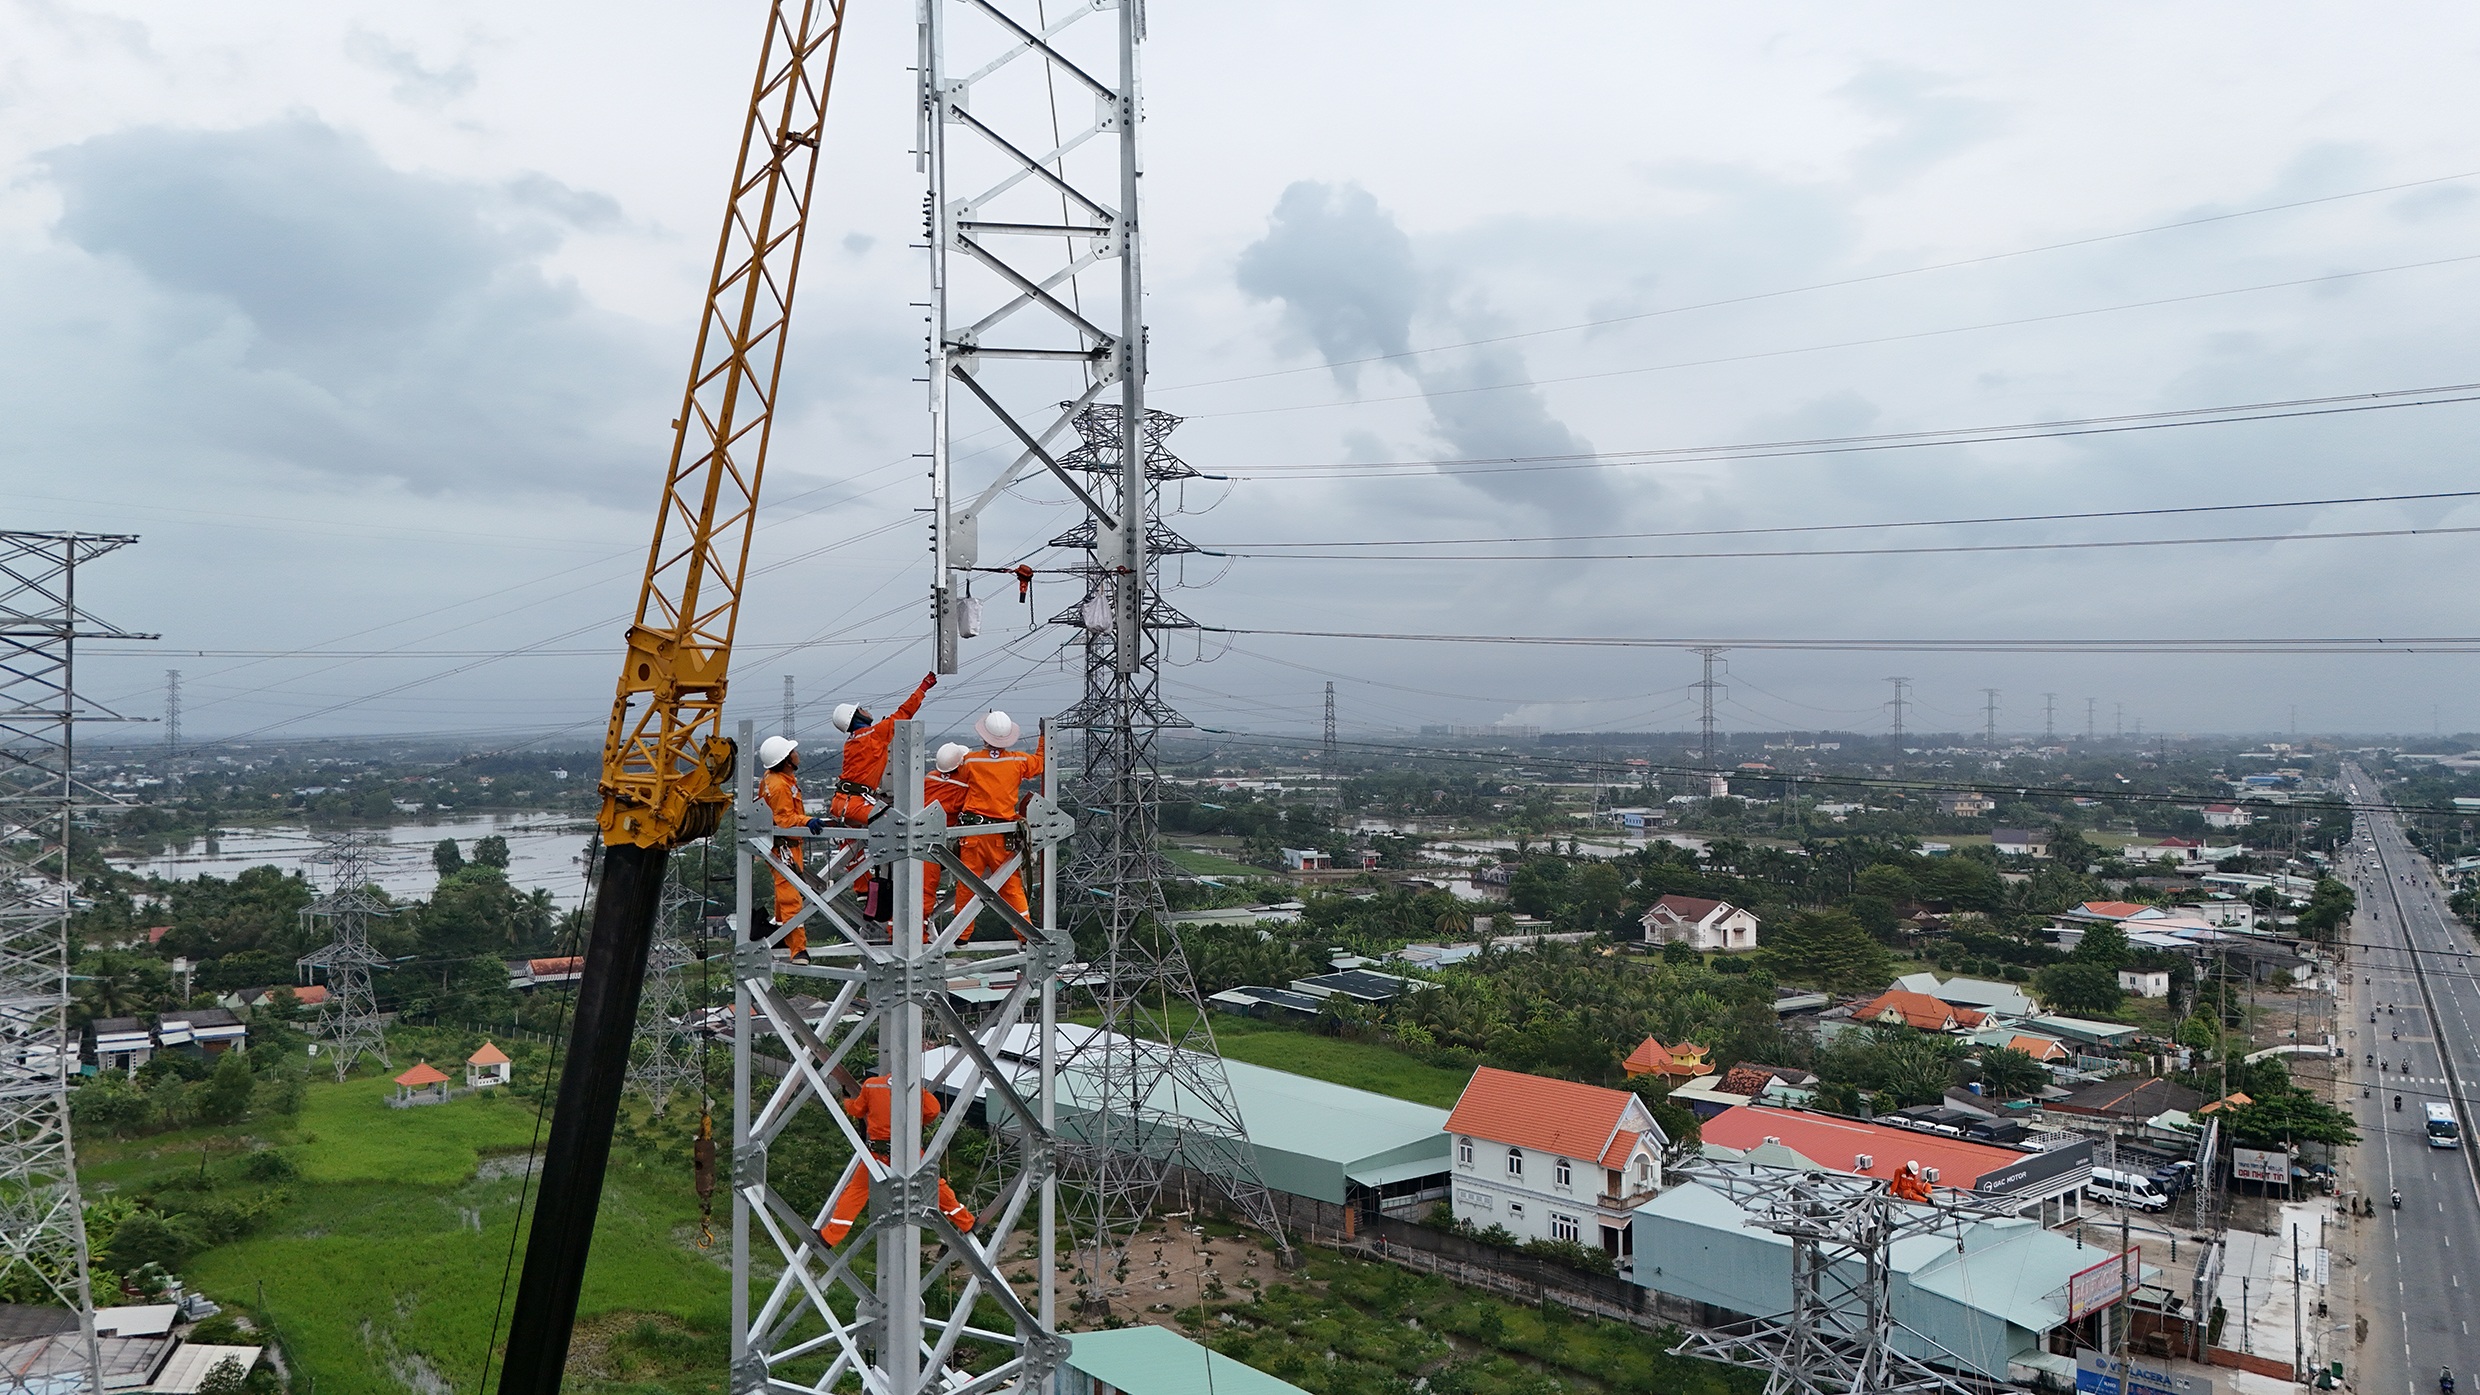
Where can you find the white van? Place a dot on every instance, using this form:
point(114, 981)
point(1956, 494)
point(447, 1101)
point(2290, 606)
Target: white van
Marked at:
point(2125, 1189)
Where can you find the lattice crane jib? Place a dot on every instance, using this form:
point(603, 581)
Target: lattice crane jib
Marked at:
point(667, 766)
point(43, 1252)
point(891, 1001)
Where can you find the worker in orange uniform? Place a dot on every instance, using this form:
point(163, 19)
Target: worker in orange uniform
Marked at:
point(857, 799)
point(946, 789)
point(1910, 1185)
point(996, 776)
point(780, 791)
point(871, 1103)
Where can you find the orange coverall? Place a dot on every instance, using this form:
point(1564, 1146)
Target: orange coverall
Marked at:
point(781, 793)
point(871, 1105)
point(865, 762)
point(948, 792)
point(996, 779)
point(1910, 1186)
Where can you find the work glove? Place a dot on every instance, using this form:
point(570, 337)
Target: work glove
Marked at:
point(817, 825)
point(930, 680)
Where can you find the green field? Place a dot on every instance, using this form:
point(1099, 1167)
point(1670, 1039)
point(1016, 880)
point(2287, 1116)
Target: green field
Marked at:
point(1363, 1065)
point(1206, 864)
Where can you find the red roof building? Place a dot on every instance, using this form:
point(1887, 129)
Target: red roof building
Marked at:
point(1837, 1144)
point(1905, 1008)
point(1685, 1061)
point(1553, 1159)
point(423, 1073)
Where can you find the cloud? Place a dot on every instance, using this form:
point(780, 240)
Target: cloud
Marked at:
point(1351, 285)
point(416, 85)
point(1930, 123)
point(305, 303)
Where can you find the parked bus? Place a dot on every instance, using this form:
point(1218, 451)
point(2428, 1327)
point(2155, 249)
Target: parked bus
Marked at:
point(2443, 1131)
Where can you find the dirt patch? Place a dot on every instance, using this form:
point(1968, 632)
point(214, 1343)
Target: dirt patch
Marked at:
point(507, 1165)
point(1178, 1265)
point(594, 1347)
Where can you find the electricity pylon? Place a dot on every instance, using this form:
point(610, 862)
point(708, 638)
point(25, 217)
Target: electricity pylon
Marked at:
point(349, 1020)
point(42, 1216)
point(666, 1059)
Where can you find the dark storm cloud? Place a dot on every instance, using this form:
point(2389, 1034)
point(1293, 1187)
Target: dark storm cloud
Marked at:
point(1350, 284)
point(314, 306)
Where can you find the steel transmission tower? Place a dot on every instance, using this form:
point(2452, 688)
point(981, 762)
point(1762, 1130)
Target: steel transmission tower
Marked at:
point(1706, 690)
point(665, 1059)
point(1838, 1336)
point(172, 714)
point(1027, 134)
point(1902, 686)
point(1327, 754)
point(2049, 716)
point(1989, 730)
point(2091, 705)
point(787, 726)
point(349, 1021)
point(42, 1217)
point(1155, 1063)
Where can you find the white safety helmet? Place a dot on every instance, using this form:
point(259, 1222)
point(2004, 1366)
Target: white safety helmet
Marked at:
point(997, 728)
point(844, 714)
point(771, 752)
point(1911, 1166)
point(951, 755)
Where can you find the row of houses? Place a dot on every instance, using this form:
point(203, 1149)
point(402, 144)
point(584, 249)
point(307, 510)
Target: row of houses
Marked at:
point(126, 1043)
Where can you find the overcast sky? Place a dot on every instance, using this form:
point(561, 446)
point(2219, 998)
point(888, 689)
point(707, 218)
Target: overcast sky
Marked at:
point(370, 320)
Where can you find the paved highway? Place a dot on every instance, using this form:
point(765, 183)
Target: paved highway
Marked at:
point(2417, 974)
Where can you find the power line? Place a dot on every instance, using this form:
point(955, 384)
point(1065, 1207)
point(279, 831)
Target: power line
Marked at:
point(1921, 551)
point(2235, 414)
point(2445, 644)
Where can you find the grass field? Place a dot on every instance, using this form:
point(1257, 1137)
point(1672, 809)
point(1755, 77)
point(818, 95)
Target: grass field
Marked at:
point(1363, 1065)
point(1206, 864)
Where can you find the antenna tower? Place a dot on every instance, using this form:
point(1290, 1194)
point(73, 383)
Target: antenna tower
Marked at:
point(42, 1217)
point(349, 1021)
point(1989, 729)
point(1706, 690)
point(1035, 333)
point(665, 1058)
point(172, 714)
point(1902, 687)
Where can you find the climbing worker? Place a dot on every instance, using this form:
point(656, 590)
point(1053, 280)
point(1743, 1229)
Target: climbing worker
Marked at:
point(1910, 1184)
point(857, 799)
point(996, 775)
point(945, 788)
point(871, 1102)
point(780, 791)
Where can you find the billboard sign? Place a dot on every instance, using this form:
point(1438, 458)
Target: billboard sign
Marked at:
point(2096, 1374)
point(2260, 1165)
point(2103, 1284)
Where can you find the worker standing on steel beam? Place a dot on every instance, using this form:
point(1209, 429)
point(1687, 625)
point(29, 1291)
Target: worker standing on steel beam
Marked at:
point(943, 787)
point(872, 1103)
point(780, 791)
point(997, 776)
point(857, 798)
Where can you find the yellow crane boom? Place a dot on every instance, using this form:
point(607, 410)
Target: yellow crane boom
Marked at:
point(667, 767)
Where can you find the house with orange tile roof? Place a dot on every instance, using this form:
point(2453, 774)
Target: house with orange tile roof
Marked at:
point(1553, 1159)
point(1901, 1007)
point(1708, 927)
point(1685, 1061)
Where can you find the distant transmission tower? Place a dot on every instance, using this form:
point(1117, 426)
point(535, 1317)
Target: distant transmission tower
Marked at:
point(787, 728)
point(1156, 1049)
point(172, 714)
point(1902, 686)
point(666, 1058)
point(349, 1020)
point(2091, 705)
point(2120, 724)
point(1989, 729)
point(2049, 717)
point(1334, 767)
point(42, 1218)
point(1706, 690)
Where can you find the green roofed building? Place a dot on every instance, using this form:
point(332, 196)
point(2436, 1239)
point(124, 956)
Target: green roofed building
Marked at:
point(1352, 1151)
point(1158, 1361)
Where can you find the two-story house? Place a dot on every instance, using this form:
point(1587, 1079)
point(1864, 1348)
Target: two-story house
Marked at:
point(1553, 1159)
point(1708, 927)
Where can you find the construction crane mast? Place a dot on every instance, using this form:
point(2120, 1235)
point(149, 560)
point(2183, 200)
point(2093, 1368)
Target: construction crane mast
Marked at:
point(668, 769)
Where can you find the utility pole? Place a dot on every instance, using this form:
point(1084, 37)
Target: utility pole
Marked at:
point(1989, 730)
point(172, 717)
point(42, 1216)
point(2049, 717)
point(1706, 689)
point(1901, 686)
